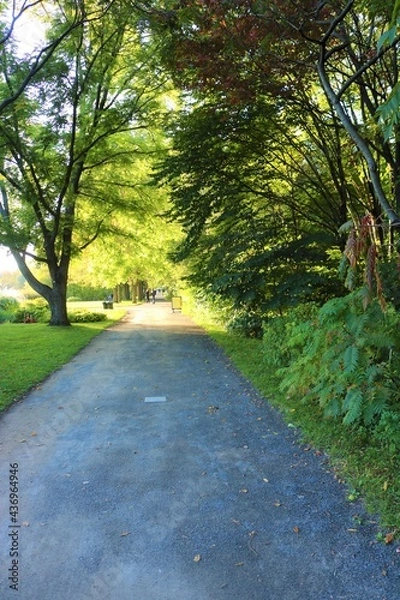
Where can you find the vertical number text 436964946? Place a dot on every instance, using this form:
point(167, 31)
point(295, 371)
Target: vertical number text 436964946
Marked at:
point(13, 534)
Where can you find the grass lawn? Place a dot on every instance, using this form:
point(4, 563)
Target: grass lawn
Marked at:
point(370, 469)
point(31, 352)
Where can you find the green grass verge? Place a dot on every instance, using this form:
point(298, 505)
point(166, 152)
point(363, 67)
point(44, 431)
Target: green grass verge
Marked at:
point(31, 352)
point(370, 470)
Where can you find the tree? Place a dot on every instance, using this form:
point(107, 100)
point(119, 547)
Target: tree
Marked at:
point(71, 135)
point(21, 10)
point(245, 47)
point(349, 58)
point(330, 68)
point(135, 247)
point(257, 201)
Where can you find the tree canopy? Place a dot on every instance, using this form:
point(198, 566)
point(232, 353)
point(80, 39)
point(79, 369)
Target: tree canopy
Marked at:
point(72, 134)
point(286, 130)
point(310, 80)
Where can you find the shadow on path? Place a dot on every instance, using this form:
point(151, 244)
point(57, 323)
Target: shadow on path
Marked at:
point(206, 495)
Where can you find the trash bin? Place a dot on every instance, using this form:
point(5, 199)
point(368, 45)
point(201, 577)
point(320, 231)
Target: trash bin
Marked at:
point(176, 303)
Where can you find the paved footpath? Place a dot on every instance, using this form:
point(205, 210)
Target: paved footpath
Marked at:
point(149, 469)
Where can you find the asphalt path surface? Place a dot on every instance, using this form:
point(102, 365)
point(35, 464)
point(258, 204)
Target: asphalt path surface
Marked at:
point(150, 469)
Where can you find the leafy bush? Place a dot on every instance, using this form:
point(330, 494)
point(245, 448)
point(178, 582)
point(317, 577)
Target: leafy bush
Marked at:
point(246, 323)
point(86, 316)
point(4, 316)
point(8, 306)
point(35, 311)
point(8, 303)
point(347, 360)
point(278, 348)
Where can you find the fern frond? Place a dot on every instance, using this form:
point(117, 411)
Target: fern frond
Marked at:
point(378, 403)
point(350, 359)
point(367, 296)
point(333, 408)
point(351, 279)
point(352, 405)
point(333, 310)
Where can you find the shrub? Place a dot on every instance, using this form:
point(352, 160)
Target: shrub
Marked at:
point(8, 306)
point(86, 316)
point(278, 347)
point(4, 316)
point(8, 303)
point(347, 360)
point(245, 323)
point(35, 311)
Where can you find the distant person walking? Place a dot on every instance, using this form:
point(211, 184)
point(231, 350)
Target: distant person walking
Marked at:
point(147, 295)
point(153, 295)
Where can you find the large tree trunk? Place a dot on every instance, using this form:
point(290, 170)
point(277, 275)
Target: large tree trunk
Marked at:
point(58, 303)
point(56, 295)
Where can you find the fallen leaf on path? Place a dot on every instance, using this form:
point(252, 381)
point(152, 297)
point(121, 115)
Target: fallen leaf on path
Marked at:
point(389, 537)
point(197, 558)
point(277, 503)
point(296, 529)
point(244, 491)
point(239, 564)
point(125, 533)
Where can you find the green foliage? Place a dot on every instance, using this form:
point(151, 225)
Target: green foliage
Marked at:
point(390, 276)
point(86, 292)
point(346, 360)
point(368, 459)
point(86, 316)
point(278, 332)
point(8, 303)
point(74, 137)
point(35, 311)
point(246, 323)
point(387, 432)
point(8, 306)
